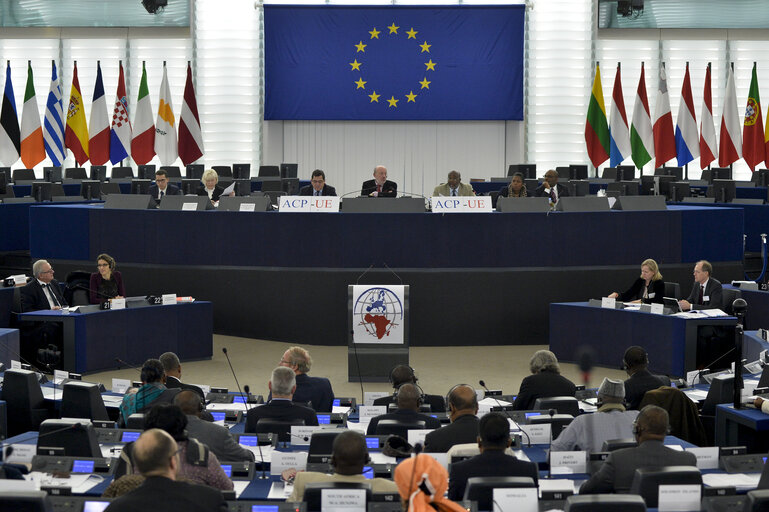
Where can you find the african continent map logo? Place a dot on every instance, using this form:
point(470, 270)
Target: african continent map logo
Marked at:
point(379, 310)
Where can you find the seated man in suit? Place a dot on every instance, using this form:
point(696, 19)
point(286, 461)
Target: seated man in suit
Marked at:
point(216, 437)
point(551, 188)
point(454, 187)
point(380, 186)
point(317, 186)
point(640, 380)
point(409, 399)
point(42, 292)
point(404, 374)
point(313, 390)
point(162, 187)
point(280, 407)
point(156, 456)
point(152, 391)
point(463, 407)
point(348, 457)
point(493, 440)
point(173, 368)
point(546, 380)
point(588, 432)
point(706, 292)
point(616, 473)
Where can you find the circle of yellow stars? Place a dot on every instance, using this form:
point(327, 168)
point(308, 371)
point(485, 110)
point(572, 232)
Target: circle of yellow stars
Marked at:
point(392, 30)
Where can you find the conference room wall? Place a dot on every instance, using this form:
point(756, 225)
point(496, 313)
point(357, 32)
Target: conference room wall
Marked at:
point(449, 307)
point(417, 154)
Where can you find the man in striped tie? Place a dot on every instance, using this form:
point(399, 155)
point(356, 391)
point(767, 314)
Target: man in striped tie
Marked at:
point(317, 186)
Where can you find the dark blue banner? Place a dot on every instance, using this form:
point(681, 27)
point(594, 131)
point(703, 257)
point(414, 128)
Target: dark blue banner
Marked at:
point(393, 63)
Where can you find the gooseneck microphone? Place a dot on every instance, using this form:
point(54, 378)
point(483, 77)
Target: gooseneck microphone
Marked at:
point(528, 439)
point(224, 349)
point(120, 363)
point(262, 476)
point(417, 451)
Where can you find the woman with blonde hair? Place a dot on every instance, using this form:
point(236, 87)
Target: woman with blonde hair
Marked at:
point(648, 288)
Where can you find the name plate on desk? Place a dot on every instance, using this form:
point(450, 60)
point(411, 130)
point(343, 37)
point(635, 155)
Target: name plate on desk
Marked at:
point(538, 434)
point(568, 462)
point(470, 204)
point(282, 461)
point(523, 499)
point(189, 207)
point(366, 412)
point(313, 204)
point(707, 458)
point(120, 385)
point(15, 365)
point(19, 280)
point(19, 453)
point(169, 298)
point(608, 303)
point(673, 498)
point(343, 499)
point(370, 396)
point(117, 304)
point(302, 434)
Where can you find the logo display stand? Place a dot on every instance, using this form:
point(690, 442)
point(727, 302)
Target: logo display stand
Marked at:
point(378, 327)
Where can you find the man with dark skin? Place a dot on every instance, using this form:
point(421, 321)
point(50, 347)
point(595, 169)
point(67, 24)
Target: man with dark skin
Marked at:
point(463, 407)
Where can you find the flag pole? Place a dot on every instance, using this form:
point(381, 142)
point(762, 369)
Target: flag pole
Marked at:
point(686, 165)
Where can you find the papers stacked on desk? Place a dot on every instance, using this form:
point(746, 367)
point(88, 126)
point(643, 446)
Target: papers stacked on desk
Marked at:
point(742, 481)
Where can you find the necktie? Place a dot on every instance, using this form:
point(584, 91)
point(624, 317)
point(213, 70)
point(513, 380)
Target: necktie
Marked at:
point(454, 192)
point(378, 188)
point(552, 194)
point(702, 293)
point(53, 295)
point(317, 193)
point(162, 193)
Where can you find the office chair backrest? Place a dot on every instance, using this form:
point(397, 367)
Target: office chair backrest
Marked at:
point(122, 172)
point(558, 422)
point(646, 481)
point(79, 440)
point(757, 501)
point(135, 421)
point(313, 492)
point(481, 488)
point(729, 295)
point(108, 188)
point(616, 444)
point(25, 402)
point(224, 171)
point(280, 427)
point(397, 427)
point(83, 400)
point(269, 170)
point(322, 442)
point(562, 404)
point(672, 290)
point(75, 173)
point(605, 503)
point(23, 175)
point(610, 173)
point(721, 392)
point(172, 171)
point(28, 501)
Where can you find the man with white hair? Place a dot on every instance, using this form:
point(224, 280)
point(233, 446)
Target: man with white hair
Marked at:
point(43, 292)
point(588, 432)
point(545, 381)
point(280, 407)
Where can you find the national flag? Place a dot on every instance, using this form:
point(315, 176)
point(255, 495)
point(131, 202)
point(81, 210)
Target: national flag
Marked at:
point(641, 135)
point(664, 140)
point(618, 128)
point(165, 125)
point(143, 143)
point(708, 147)
point(753, 126)
point(190, 136)
point(53, 126)
point(32, 148)
point(10, 137)
point(687, 143)
point(76, 132)
point(98, 127)
point(731, 140)
point(120, 134)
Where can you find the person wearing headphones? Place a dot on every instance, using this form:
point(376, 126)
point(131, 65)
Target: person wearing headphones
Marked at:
point(545, 380)
point(635, 362)
point(349, 455)
point(107, 283)
point(616, 473)
point(463, 407)
point(588, 432)
point(153, 390)
point(405, 374)
point(408, 400)
point(216, 437)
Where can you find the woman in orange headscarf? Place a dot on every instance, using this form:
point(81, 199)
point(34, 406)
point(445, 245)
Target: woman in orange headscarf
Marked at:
point(422, 483)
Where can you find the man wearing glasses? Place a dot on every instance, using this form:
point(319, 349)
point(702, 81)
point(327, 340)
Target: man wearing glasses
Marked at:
point(316, 391)
point(43, 292)
point(162, 188)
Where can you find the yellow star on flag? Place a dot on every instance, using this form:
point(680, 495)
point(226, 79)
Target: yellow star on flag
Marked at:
point(360, 46)
point(374, 97)
point(430, 65)
point(393, 28)
point(355, 65)
point(361, 84)
point(411, 96)
point(392, 102)
point(425, 47)
point(374, 33)
point(412, 33)
point(425, 83)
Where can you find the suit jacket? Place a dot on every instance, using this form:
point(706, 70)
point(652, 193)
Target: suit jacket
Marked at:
point(541, 385)
point(202, 192)
point(315, 390)
point(616, 473)
point(171, 190)
point(436, 402)
point(713, 292)
point(561, 190)
point(488, 463)
point(636, 291)
point(33, 298)
point(279, 410)
point(160, 493)
point(462, 430)
point(173, 383)
point(389, 189)
point(378, 485)
point(218, 439)
point(639, 383)
point(307, 190)
point(406, 415)
point(464, 189)
point(96, 280)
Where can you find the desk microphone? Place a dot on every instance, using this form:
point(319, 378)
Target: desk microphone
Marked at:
point(263, 476)
point(224, 349)
point(129, 365)
point(90, 290)
point(707, 366)
point(528, 439)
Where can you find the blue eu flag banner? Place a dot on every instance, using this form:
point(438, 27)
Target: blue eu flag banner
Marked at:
point(393, 63)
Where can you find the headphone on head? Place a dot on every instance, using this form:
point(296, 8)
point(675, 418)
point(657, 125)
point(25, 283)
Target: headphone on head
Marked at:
point(637, 430)
point(391, 377)
point(627, 366)
point(448, 395)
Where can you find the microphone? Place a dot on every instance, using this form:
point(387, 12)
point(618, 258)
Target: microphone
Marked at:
point(263, 476)
point(528, 439)
point(224, 349)
point(250, 399)
point(392, 271)
point(90, 290)
point(417, 451)
point(707, 366)
point(121, 362)
point(357, 281)
point(9, 448)
point(357, 363)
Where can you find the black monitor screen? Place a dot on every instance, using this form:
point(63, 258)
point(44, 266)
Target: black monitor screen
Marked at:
point(140, 186)
point(82, 466)
point(129, 437)
point(41, 191)
point(723, 190)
